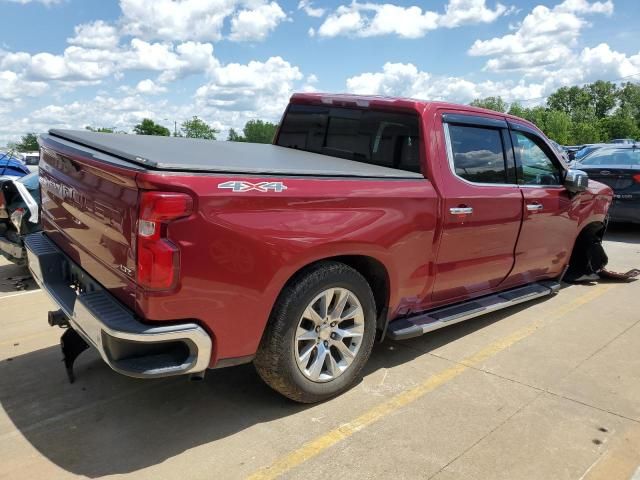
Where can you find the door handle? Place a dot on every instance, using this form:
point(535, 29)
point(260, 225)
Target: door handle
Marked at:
point(461, 210)
point(534, 207)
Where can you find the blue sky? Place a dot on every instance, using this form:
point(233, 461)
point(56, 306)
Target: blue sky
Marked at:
point(71, 63)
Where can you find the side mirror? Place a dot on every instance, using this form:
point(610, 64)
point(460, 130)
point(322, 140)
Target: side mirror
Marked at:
point(576, 181)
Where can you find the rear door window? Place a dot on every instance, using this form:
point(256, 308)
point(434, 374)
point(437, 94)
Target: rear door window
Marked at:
point(387, 139)
point(478, 153)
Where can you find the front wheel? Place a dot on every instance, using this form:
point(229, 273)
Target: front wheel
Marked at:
point(320, 334)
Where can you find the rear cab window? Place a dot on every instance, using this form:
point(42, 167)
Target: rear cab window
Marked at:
point(386, 139)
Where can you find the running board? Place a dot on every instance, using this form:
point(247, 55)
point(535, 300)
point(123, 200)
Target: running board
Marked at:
point(420, 324)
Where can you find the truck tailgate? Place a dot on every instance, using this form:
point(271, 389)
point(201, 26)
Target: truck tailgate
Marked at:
point(89, 209)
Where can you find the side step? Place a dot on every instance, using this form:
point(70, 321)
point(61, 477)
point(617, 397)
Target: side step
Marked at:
point(426, 322)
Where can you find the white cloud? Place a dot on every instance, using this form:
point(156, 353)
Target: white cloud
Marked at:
point(173, 62)
point(199, 20)
point(234, 94)
point(370, 19)
point(175, 20)
point(255, 24)
point(13, 88)
point(121, 113)
point(79, 65)
point(598, 63)
point(373, 19)
point(259, 88)
point(309, 9)
point(464, 12)
point(584, 6)
point(406, 80)
point(149, 87)
point(545, 36)
point(98, 34)
point(75, 64)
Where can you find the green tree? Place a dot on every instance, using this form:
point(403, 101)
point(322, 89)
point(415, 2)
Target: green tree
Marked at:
point(234, 136)
point(574, 101)
point(28, 143)
point(603, 97)
point(517, 109)
point(149, 127)
point(629, 100)
point(99, 129)
point(557, 126)
point(620, 125)
point(255, 131)
point(491, 103)
point(585, 132)
point(258, 131)
point(537, 116)
point(197, 128)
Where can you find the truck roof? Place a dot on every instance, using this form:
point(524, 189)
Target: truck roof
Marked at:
point(191, 154)
point(393, 103)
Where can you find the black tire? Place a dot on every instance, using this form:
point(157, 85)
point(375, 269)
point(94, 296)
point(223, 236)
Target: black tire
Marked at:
point(275, 360)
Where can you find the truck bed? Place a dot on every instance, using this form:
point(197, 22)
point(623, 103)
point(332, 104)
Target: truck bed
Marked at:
point(196, 155)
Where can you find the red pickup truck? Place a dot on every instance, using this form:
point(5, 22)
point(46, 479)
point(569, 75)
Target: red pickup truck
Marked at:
point(367, 218)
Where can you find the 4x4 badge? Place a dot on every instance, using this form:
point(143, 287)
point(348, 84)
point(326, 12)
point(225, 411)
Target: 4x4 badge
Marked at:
point(242, 186)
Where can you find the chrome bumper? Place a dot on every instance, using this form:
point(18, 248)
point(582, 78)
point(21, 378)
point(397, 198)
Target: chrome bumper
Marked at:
point(125, 344)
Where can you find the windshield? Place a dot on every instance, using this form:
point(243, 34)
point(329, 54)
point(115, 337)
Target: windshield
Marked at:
point(614, 156)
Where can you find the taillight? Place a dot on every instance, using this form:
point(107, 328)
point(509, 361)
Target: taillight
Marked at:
point(636, 178)
point(158, 258)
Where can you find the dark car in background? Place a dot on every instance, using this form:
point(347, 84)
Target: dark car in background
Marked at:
point(587, 149)
point(571, 150)
point(617, 166)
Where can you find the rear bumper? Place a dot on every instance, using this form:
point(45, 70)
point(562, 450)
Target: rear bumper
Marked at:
point(125, 344)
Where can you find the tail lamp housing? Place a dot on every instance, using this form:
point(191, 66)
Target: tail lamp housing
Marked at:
point(636, 178)
point(158, 262)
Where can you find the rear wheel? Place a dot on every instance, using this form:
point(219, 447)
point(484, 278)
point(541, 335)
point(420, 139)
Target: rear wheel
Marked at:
point(320, 334)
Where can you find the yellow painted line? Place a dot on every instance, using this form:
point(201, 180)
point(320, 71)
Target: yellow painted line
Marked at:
point(331, 438)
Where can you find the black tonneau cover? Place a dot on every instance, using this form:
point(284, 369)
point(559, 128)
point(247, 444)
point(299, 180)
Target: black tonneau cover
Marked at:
point(190, 154)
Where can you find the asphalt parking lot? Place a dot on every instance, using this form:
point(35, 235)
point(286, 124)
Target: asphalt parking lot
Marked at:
point(546, 390)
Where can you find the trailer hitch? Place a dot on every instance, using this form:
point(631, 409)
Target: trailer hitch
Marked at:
point(71, 343)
